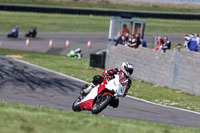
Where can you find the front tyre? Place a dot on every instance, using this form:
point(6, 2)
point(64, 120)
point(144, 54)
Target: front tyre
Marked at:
point(101, 104)
point(76, 105)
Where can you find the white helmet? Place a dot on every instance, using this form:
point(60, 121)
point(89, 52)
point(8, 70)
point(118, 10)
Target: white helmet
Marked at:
point(127, 68)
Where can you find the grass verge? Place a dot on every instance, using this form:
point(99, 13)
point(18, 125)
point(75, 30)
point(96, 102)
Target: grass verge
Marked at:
point(29, 119)
point(81, 23)
point(135, 5)
point(79, 68)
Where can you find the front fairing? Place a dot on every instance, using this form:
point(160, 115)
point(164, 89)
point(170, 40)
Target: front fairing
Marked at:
point(87, 102)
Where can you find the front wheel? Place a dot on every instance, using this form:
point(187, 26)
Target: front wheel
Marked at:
point(101, 104)
point(76, 105)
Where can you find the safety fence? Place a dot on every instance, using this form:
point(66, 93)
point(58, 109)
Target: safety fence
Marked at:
point(101, 12)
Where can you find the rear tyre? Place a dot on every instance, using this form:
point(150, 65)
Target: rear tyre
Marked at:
point(76, 105)
point(101, 104)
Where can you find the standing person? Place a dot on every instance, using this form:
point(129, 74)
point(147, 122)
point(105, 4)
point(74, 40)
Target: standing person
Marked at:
point(192, 43)
point(167, 44)
point(198, 41)
point(125, 29)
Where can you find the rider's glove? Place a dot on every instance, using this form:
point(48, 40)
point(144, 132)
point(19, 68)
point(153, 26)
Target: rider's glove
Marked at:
point(83, 93)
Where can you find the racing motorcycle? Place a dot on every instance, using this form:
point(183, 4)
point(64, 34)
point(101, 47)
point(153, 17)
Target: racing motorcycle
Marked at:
point(102, 95)
point(13, 33)
point(32, 33)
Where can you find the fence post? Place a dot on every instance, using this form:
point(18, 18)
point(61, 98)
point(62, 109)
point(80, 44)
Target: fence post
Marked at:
point(176, 70)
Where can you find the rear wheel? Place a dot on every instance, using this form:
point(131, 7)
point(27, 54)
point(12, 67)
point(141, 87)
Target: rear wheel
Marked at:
point(8, 36)
point(101, 104)
point(76, 105)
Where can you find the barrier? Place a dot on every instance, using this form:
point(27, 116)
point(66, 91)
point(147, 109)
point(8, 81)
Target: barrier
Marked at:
point(98, 60)
point(89, 44)
point(100, 12)
point(27, 42)
point(50, 43)
point(67, 44)
point(177, 70)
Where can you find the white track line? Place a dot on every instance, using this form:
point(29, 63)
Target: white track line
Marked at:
point(43, 68)
point(138, 99)
point(145, 101)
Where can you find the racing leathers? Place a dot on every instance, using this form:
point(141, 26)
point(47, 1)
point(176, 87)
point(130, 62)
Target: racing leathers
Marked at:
point(98, 79)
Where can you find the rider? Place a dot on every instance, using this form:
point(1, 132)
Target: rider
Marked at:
point(126, 71)
point(14, 31)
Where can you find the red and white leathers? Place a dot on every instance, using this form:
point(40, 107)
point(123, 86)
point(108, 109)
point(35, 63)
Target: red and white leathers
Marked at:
point(110, 75)
point(107, 74)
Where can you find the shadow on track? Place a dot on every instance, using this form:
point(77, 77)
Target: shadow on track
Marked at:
point(34, 80)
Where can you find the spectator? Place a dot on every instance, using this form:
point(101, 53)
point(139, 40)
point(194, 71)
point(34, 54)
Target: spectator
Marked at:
point(160, 43)
point(158, 40)
point(137, 37)
point(122, 41)
point(125, 29)
point(116, 39)
point(198, 41)
point(142, 43)
point(178, 47)
point(192, 43)
point(186, 38)
point(127, 37)
point(167, 44)
point(132, 41)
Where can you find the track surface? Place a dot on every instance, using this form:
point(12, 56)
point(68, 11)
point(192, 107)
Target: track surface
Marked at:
point(77, 40)
point(41, 43)
point(27, 84)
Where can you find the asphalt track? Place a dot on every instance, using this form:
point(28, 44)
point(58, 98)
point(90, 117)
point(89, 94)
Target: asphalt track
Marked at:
point(28, 84)
point(76, 40)
point(41, 42)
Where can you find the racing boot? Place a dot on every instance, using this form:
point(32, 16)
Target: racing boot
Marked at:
point(115, 103)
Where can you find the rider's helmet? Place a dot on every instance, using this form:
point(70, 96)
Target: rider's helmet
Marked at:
point(127, 68)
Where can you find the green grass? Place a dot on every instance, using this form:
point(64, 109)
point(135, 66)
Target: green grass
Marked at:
point(79, 68)
point(103, 5)
point(80, 23)
point(16, 118)
point(52, 22)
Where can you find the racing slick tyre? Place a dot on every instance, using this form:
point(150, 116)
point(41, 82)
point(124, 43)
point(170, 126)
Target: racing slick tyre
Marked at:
point(8, 36)
point(101, 104)
point(27, 35)
point(75, 105)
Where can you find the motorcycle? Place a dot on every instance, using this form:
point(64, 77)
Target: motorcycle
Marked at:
point(102, 95)
point(75, 53)
point(13, 33)
point(32, 33)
